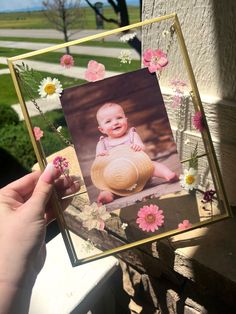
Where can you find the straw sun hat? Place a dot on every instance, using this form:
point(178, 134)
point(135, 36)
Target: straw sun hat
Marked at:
point(122, 172)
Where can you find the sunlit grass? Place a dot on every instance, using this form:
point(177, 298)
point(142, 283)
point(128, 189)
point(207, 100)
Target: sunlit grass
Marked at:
point(111, 64)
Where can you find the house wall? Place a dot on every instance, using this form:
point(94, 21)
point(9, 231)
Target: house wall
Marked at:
point(210, 34)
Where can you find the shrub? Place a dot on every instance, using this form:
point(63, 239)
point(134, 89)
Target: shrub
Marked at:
point(15, 140)
point(8, 116)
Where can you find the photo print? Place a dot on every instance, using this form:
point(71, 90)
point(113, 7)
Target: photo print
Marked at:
point(123, 140)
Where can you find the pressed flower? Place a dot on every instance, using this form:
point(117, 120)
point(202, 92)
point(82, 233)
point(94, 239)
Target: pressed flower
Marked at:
point(154, 59)
point(178, 83)
point(95, 71)
point(189, 180)
point(198, 121)
point(38, 133)
point(124, 225)
point(59, 128)
point(125, 38)
point(150, 218)
point(62, 164)
point(208, 196)
point(125, 56)
point(67, 61)
point(176, 100)
point(94, 216)
point(50, 88)
point(185, 224)
point(177, 86)
point(165, 33)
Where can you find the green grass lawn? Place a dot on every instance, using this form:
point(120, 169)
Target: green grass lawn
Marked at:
point(37, 20)
point(8, 93)
point(3, 66)
point(111, 64)
point(92, 43)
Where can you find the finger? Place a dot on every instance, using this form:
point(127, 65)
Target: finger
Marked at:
point(23, 186)
point(66, 182)
point(42, 191)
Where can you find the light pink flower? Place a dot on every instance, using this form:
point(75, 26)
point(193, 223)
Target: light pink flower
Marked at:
point(38, 133)
point(150, 217)
point(198, 121)
point(67, 61)
point(94, 216)
point(178, 83)
point(62, 164)
point(95, 71)
point(184, 225)
point(176, 100)
point(154, 60)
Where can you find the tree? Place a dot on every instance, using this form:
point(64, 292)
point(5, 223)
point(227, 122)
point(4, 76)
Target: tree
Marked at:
point(63, 14)
point(121, 9)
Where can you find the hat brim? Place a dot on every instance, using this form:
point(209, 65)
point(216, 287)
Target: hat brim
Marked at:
point(141, 159)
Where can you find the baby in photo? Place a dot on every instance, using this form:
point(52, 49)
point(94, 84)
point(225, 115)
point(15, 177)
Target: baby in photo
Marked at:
point(121, 166)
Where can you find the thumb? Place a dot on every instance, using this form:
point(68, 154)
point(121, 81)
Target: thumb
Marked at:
point(42, 190)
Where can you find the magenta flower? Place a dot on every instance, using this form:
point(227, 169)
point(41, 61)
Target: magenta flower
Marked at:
point(184, 225)
point(95, 71)
point(61, 164)
point(150, 218)
point(67, 61)
point(198, 121)
point(38, 133)
point(154, 60)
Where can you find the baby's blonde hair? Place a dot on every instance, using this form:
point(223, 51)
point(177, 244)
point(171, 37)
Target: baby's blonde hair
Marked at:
point(106, 106)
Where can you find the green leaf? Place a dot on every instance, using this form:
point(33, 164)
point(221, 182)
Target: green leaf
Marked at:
point(193, 162)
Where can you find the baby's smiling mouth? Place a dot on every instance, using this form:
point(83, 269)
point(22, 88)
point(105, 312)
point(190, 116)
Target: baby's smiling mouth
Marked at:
point(116, 128)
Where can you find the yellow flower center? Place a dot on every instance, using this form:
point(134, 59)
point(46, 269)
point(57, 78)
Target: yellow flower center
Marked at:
point(50, 88)
point(155, 59)
point(150, 218)
point(189, 179)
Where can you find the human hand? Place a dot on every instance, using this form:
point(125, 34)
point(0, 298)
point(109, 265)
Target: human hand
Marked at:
point(24, 213)
point(102, 153)
point(136, 147)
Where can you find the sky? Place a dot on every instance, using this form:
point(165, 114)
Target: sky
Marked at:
point(17, 5)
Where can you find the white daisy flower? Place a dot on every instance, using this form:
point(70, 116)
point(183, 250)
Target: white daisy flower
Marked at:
point(125, 56)
point(59, 128)
point(165, 33)
point(189, 180)
point(94, 216)
point(50, 88)
point(125, 38)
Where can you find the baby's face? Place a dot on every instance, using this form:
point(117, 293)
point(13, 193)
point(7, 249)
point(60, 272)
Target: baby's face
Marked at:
point(113, 122)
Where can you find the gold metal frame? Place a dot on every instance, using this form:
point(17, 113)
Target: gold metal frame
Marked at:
point(214, 167)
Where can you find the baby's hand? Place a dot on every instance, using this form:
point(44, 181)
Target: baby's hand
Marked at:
point(136, 147)
point(102, 153)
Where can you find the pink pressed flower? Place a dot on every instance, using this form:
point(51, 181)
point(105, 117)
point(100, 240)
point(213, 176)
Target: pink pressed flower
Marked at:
point(176, 100)
point(61, 163)
point(67, 61)
point(95, 71)
point(150, 218)
point(178, 83)
point(154, 60)
point(184, 225)
point(198, 121)
point(38, 133)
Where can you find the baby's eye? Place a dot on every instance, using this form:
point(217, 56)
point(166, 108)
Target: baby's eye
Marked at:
point(119, 118)
point(108, 121)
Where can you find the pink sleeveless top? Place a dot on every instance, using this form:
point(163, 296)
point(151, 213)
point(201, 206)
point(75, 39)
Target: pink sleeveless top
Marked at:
point(128, 141)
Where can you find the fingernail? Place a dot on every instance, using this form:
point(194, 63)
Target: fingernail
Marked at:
point(48, 173)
